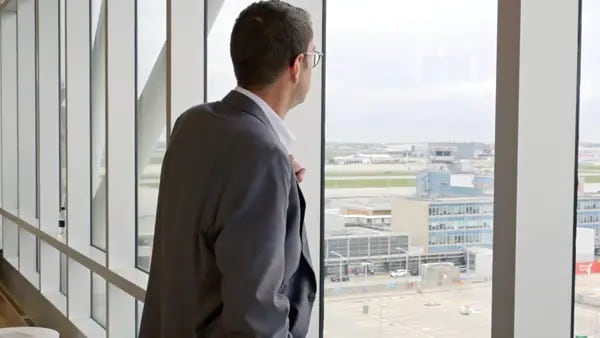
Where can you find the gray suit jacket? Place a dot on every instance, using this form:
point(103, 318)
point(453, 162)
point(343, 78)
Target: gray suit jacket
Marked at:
point(230, 255)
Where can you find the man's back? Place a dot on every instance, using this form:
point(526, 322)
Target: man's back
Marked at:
point(227, 257)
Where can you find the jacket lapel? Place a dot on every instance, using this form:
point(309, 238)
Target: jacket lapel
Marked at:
point(305, 247)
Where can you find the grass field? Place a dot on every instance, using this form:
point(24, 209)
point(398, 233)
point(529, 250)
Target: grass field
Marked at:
point(592, 179)
point(589, 167)
point(368, 173)
point(369, 183)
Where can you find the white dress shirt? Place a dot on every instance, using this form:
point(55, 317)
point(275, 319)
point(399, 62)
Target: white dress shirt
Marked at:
point(281, 129)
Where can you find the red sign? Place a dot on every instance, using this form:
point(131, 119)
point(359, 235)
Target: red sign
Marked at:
point(586, 268)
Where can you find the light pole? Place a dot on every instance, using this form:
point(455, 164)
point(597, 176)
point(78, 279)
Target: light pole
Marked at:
point(341, 259)
point(467, 259)
point(468, 254)
point(406, 256)
point(366, 265)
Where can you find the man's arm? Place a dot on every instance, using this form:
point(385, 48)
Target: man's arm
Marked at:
point(250, 248)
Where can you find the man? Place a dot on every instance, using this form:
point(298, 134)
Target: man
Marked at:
point(230, 255)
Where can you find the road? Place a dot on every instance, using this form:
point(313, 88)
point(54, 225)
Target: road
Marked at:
point(382, 177)
point(435, 313)
point(369, 192)
point(370, 280)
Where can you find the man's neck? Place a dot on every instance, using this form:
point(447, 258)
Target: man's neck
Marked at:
point(274, 98)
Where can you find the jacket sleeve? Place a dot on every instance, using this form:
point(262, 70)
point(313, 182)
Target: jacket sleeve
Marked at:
point(250, 245)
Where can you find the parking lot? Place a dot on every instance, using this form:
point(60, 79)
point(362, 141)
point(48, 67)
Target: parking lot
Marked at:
point(437, 313)
point(411, 314)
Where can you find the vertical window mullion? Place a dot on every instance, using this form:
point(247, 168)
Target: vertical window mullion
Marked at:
point(78, 204)
point(532, 287)
point(121, 158)
point(8, 38)
point(78, 122)
point(26, 110)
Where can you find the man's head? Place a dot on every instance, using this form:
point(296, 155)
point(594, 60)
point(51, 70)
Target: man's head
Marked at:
point(272, 48)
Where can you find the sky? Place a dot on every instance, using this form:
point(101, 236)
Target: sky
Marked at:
point(399, 70)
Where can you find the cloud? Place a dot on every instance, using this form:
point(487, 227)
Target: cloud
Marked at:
point(405, 70)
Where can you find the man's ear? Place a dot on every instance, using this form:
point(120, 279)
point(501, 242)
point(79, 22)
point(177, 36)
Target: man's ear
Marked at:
point(296, 67)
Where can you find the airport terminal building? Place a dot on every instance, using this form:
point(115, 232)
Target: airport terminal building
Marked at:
point(455, 223)
point(351, 247)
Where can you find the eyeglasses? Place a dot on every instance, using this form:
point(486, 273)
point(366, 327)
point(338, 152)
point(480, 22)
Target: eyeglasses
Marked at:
point(316, 57)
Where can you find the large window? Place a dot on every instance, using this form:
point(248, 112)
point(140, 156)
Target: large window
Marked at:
point(419, 192)
point(151, 119)
point(410, 97)
point(587, 225)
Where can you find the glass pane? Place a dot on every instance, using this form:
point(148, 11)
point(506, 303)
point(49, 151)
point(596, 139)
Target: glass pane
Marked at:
point(151, 118)
point(139, 308)
point(63, 274)
point(98, 107)
point(219, 72)
point(587, 266)
point(409, 168)
point(38, 252)
point(99, 300)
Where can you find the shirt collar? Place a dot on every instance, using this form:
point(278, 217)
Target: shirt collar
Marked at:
point(284, 133)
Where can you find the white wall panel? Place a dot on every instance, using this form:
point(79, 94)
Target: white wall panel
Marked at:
point(121, 313)
point(78, 121)
point(121, 145)
point(79, 288)
point(8, 56)
point(27, 138)
point(10, 245)
point(49, 105)
point(27, 257)
point(50, 269)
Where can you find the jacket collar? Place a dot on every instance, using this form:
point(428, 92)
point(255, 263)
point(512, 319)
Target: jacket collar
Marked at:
point(242, 102)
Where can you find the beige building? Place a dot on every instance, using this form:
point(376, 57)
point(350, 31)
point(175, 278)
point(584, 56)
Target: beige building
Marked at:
point(444, 224)
point(411, 216)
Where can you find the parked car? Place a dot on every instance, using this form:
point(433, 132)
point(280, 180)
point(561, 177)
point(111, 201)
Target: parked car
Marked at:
point(340, 278)
point(399, 273)
point(361, 272)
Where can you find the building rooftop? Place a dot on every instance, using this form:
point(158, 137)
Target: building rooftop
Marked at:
point(360, 232)
point(479, 250)
point(476, 199)
point(371, 206)
point(367, 217)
